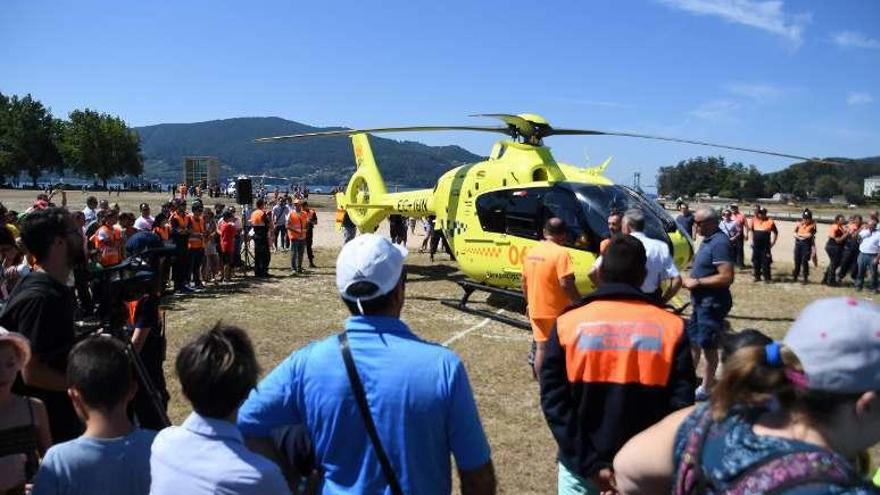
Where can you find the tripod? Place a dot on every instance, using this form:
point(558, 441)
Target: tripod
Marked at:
point(247, 250)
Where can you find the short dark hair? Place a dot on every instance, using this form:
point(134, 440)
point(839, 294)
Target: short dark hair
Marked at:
point(555, 226)
point(375, 306)
point(99, 369)
point(40, 228)
point(217, 370)
point(624, 261)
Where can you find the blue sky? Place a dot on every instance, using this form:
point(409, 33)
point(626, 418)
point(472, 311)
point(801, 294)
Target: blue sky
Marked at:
point(796, 76)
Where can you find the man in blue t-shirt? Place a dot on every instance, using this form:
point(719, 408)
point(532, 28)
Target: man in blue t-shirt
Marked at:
point(709, 282)
point(112, 456)
point(417, 393)
point(685, 220)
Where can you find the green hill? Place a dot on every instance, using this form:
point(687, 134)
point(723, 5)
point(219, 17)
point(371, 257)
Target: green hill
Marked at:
point(825, 180)
point(317, 161)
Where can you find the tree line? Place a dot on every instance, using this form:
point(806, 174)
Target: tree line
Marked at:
point(714, 176)
point(88, 143)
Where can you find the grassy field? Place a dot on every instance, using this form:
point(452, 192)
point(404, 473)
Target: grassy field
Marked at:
point(284, 313)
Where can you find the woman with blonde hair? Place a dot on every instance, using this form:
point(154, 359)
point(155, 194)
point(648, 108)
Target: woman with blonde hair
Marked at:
point(785, 417)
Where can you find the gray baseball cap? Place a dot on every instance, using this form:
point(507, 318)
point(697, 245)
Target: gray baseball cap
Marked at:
point(837, 341)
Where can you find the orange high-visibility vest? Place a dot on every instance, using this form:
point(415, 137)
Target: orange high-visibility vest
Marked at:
point(340, 215)
point(762, 225)
point(297, 223)
point(108, 242)
point(619, 342)
point(806, 228)
point(197, 232)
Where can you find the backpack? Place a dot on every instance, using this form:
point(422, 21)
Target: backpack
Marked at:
point(774, 475)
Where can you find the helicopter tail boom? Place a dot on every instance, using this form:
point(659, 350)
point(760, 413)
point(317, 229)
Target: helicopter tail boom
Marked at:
point(367, 200)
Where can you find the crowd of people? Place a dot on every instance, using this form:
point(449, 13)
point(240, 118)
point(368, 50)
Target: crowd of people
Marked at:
point(375, 409)
point(618, 382)
point(852, 245)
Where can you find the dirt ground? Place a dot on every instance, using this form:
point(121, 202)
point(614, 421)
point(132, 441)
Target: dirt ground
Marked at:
point(284, 313)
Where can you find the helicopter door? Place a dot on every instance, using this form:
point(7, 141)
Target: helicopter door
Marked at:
point(511, 213)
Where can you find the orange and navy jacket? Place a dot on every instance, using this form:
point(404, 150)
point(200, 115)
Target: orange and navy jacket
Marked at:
point(615, 364)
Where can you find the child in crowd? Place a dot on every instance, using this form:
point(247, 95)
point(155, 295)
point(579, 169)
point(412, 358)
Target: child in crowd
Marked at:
point(24, 434)
point(227, 232)
point(112, 456)
point(211, 267)
point(206, 454)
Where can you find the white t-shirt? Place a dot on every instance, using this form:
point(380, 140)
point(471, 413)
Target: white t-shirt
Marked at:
point(144, 223)
point(870, 241)
point(90, 214)
point(659, 265)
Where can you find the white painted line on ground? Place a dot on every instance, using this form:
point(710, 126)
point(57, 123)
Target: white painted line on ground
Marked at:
point(464, 333)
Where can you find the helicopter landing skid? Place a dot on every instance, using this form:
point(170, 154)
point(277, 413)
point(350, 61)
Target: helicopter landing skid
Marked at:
point(471, 287)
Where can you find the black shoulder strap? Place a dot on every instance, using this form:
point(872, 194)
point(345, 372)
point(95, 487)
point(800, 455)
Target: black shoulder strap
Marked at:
point(361, 397)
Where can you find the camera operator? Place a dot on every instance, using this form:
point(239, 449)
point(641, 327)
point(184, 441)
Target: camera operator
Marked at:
point(41, 309)
point(141, 319)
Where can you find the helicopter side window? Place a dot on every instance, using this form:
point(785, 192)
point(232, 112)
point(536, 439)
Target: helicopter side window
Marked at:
point(491, 210)
point(562, 204)
point(523, 213)
point(513, 212)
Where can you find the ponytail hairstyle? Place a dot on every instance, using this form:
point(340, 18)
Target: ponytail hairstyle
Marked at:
point(755, 375)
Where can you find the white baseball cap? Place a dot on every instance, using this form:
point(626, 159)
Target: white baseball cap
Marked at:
point(369, 258)
point(837, 341)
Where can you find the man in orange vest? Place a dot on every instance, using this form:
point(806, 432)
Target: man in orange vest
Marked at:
point(196, 244)
point(310, 231)
point(548, 286)
point(614, 364)
point(260, 223)
point(804, 241)
point(297, 224)
point(764, 235)
point(179, 223)
point(615, 224)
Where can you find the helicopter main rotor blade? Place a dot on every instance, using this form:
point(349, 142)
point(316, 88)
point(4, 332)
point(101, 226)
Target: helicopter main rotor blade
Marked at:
point(349, 132)
point(587, 132)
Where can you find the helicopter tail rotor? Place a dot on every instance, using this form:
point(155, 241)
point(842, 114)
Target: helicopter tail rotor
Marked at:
point(366, 189)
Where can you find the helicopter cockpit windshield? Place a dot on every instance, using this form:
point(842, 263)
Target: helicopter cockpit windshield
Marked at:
point(584, 210)
point(598, 201)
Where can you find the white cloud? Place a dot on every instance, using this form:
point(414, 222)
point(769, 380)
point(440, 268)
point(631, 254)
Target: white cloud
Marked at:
point(764, 15)
point(715, 110)
point(859, 98)
point(758, 92)
point(853, 39)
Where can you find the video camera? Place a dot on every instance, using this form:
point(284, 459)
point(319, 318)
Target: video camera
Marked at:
point(134, 276)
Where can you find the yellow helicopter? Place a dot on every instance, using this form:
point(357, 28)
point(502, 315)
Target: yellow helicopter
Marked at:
point(493, 211)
